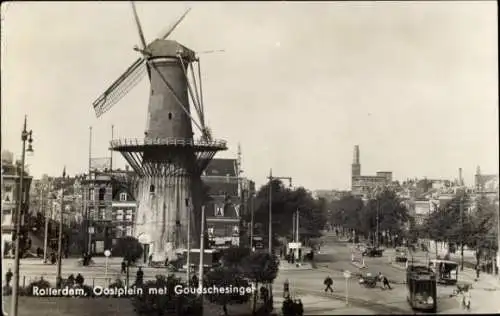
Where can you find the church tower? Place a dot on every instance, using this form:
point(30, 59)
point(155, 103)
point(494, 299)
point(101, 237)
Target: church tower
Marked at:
point(356, 166)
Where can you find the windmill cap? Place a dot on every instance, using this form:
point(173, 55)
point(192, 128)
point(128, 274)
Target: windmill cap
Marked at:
point(169, 48)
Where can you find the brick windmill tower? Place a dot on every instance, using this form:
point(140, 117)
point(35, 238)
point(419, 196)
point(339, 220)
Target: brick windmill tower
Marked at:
point(168, 160)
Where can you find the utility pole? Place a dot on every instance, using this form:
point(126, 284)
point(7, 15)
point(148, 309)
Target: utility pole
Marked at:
point(252, 209)
point(202, 249)
point(376, 232)
point(188, 265)
point(297, 226)
point(48, 216)
point(271, 178)
point(59, 239)
point(462, 233)
point(270, 246)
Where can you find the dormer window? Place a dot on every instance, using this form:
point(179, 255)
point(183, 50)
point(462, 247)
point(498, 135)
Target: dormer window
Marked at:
point(219, 211)
point(123, 196)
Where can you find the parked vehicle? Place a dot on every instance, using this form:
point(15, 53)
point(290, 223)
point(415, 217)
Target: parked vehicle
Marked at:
point(401, 255)
point(373, 252)
point(446, 271)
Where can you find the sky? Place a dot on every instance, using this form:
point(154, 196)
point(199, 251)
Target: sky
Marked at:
point(414, 84)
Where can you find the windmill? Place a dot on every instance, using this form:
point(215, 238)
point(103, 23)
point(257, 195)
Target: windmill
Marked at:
point(168, 160)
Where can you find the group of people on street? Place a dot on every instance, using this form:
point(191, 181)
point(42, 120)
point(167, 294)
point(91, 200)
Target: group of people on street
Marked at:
point(291, 307)
point(328, 282)
point(72, 280)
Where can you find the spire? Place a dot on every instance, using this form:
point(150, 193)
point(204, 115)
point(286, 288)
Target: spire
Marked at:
point(239, 159)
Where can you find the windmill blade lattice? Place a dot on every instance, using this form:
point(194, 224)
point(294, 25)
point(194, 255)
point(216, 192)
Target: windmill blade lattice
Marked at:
point(173, 26)
point(118, 89)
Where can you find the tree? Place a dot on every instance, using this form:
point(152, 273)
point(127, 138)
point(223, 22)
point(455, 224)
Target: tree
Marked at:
point(232, 257)
point(438, 225)
point(225, 277)
point(260, 267)
point(285, 203)
point(481, 228)
point(347, 213)
point(130, 249)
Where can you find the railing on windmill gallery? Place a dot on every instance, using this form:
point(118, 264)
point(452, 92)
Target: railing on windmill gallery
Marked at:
point(166, 141)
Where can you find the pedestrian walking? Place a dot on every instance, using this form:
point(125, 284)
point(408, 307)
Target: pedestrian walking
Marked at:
point(194, 280)
point(124, 267)
point(300, 308)
point(8, 277)
point(286, 289)
point(53, 259)
point(139, 276)
point(79, 279)
point(466, 299)
point(386, 283)
point(328, 283)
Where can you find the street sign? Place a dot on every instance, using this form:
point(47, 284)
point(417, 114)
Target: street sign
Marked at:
point(107, 253)
point(347, 274)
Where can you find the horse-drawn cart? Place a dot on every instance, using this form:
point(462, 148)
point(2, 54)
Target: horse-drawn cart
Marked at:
point(368, 280)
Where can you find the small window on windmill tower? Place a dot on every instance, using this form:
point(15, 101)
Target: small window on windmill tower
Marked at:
point(169, 115)
point(152, 189)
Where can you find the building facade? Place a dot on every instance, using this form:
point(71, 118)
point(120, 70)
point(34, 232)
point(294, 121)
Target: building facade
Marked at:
point(363, 186)
point(123, 211)
point(98, 198)
point(109, 209)
point(229, 197)
point(10, 199)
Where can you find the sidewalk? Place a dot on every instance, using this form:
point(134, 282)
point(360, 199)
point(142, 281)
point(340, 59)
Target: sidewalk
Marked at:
point(285, 266)
point(482, 302)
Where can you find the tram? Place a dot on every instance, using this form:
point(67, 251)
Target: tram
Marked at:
point(421, 288)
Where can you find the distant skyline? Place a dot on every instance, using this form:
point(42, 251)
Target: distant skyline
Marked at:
point(414, 84)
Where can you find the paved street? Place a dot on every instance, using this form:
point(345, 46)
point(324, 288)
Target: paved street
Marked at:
point(32, 269)
point(334, 259)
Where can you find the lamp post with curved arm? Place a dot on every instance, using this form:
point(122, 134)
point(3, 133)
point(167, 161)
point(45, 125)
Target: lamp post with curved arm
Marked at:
point(25, 136)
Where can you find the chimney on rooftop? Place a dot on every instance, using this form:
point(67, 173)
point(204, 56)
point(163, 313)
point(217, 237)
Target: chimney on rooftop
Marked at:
point(460, 178)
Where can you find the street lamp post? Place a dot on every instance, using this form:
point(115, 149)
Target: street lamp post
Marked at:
point(271, 178)
point(25, 136)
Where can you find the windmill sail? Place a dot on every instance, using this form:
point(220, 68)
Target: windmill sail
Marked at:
point(129, 79)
